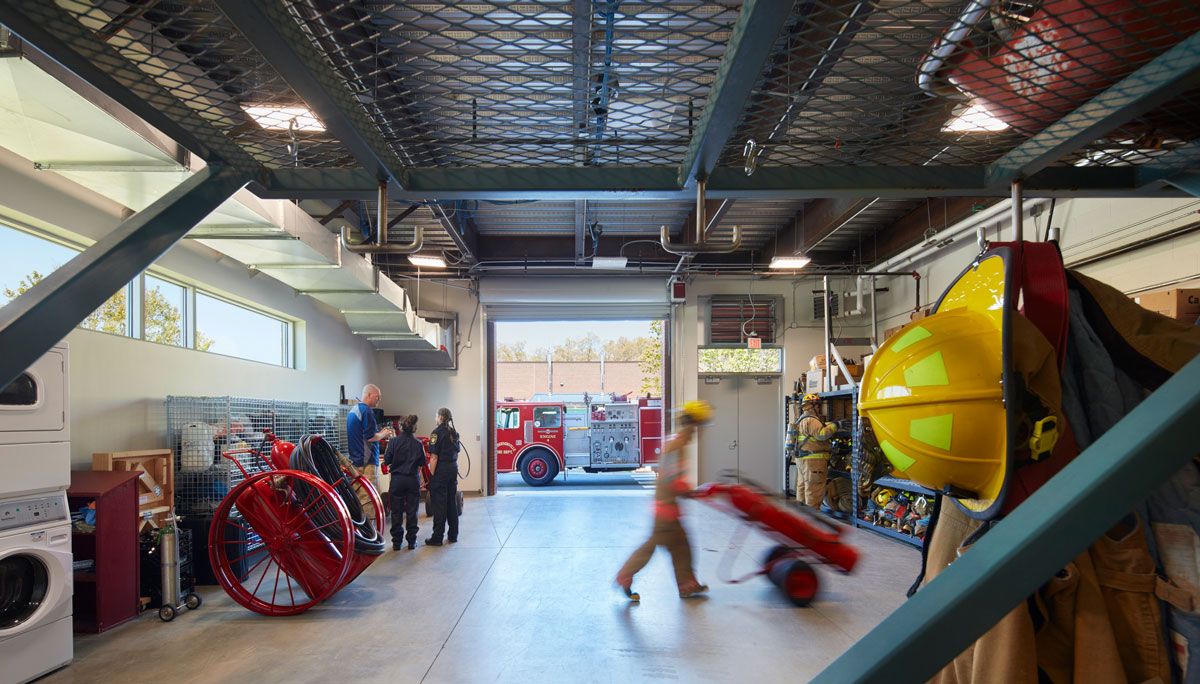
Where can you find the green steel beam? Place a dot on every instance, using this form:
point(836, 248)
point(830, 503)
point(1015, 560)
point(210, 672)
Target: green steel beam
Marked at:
point(758, 24)
point(1037, 540)
point(44, 314)
point(659, 182)
point(1167, 75)
point(274, 32)
point(1175, 167)
point(63, 39)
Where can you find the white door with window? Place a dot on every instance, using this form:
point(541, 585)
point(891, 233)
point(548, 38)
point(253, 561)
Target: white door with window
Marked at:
point(745, 436)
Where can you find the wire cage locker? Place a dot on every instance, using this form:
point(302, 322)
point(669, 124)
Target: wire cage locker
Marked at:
point(202, 430)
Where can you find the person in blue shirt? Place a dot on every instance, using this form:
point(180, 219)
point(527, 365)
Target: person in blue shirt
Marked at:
point(362, 439)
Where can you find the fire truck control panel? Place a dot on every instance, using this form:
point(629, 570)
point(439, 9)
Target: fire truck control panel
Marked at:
point(614, 435)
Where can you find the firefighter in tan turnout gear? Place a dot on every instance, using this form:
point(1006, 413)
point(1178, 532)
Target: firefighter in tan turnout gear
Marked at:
point(812, 452)
point(668, 528)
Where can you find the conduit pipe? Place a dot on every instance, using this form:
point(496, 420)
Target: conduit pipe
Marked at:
point(381, 245)
point(698, 245)
point(947, 45)
point(970, 223)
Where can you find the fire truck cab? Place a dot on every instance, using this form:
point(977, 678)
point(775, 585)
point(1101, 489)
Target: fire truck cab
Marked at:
point(540, 439)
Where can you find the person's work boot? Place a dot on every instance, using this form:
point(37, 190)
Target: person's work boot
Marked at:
point(433, 542)
point(626, 585)
point(691, 589)
point(412, 545)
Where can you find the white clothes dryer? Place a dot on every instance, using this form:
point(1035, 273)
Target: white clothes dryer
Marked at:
point(35, 587)
point(35, 428)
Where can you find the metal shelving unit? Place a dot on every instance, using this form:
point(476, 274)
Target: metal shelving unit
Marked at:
point(855, 476)
point(904, 485)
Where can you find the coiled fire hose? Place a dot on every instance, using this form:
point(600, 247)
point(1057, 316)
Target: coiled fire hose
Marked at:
point(319, 457)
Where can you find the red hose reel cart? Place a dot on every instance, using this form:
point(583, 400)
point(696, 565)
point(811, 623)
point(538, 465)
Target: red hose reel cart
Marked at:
point(803, 539)
point(291, 536)
point(1030, 71)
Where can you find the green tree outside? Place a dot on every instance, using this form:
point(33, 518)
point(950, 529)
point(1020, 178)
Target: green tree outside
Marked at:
point(164, 320)
point(650, 359)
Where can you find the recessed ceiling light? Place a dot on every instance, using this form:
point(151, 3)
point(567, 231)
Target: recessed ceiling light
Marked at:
point(276, 118)
point(609, 262)
point(976, 119)
point(790, 262)
point(426, 260)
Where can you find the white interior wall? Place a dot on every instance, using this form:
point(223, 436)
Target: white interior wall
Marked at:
point(118, 384)
point(462, 391)
point(1089, 227)
point(802, 338)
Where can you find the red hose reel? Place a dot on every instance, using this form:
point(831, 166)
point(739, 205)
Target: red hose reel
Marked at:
point(283, 540)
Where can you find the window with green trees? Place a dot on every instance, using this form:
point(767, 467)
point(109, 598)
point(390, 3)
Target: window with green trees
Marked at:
point(152, 306)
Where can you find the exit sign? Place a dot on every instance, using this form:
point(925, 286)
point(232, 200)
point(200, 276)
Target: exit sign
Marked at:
point(754, 343)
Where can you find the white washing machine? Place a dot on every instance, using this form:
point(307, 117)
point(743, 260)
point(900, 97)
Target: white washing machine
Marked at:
point(35, 428)
point(35, 587)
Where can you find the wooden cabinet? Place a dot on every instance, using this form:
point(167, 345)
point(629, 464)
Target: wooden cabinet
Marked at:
point(106, 595)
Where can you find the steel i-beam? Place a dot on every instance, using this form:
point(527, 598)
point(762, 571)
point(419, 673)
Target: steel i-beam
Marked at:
point(43, 315)
point(1035, 541)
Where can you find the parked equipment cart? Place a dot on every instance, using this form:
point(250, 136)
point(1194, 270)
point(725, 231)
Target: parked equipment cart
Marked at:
point(804, 540)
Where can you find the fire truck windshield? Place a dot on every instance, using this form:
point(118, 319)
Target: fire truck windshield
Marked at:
point(507, 418)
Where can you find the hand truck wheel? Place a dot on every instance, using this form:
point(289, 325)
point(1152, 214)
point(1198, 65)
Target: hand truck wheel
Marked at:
point(288, 546)
point(797, 579)
point(192, 601)
point(166, 613)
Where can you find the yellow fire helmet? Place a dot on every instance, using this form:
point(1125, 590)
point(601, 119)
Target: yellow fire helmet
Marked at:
point(935, 392)
point(883, 496)
point(809, 399)
point(699, 411)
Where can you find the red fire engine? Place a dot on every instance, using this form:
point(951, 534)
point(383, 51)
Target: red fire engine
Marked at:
point(543, 438)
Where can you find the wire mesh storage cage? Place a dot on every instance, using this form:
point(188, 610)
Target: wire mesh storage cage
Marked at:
point(204, 430)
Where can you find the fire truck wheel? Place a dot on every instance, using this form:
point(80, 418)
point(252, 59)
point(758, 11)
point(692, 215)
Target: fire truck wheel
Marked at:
point(428, 508)
point(539, 467)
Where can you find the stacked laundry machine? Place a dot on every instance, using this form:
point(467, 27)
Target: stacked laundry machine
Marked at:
point(35, 524)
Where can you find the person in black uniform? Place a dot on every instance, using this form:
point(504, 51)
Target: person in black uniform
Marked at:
point(404, 457)
point(443, 479)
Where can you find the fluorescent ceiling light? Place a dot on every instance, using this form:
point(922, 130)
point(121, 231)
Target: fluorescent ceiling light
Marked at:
point(790, 262)
point(277, 118)
point(426, 260)
point(609, 262)
point(976, 119)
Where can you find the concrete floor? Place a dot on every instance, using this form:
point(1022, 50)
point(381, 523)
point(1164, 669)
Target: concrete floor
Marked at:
point(525, 596)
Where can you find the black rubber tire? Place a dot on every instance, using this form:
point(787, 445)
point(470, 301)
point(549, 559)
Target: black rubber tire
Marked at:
point(775, 553)
point(425, 502)
point(796, 579)
point(193, 601)
point(458, 499)
point(166, 613)
point(539, 467)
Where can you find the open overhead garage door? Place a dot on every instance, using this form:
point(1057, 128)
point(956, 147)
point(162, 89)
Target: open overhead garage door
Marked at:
point(579, 299)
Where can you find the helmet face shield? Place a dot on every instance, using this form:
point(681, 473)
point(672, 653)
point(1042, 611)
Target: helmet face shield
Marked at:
point(936, 393)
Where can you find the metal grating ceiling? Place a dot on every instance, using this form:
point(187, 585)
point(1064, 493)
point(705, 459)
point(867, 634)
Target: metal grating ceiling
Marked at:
point(877, 97)
point(842, 86)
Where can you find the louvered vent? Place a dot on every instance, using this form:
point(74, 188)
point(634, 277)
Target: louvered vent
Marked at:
point(730, 321)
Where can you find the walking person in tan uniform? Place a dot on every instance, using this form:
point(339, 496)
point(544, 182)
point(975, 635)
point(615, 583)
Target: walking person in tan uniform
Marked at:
point(668, 529)
point(812, 453)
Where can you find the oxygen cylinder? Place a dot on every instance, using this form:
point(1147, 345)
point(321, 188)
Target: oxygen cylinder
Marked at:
point(168, 547)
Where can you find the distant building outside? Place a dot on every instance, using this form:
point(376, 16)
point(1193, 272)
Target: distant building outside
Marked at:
point(523, 379)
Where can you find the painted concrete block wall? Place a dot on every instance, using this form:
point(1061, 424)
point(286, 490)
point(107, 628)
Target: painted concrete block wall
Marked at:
point(1089, 227)
point(119, 385)
point(801, 337)
point(462, 391)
